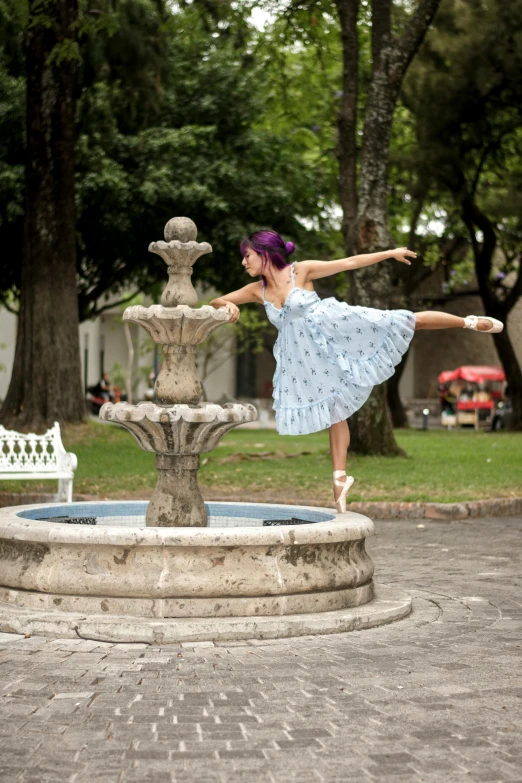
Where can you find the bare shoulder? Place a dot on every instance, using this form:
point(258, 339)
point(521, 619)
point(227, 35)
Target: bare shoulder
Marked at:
point(253, 291)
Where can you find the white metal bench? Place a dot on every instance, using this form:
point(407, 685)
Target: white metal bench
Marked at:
point(38, 457)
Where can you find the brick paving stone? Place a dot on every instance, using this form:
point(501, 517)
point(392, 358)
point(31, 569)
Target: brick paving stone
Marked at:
point(433, 698)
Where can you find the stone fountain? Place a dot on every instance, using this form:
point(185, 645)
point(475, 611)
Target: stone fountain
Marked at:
point(176, 569)
point(178, 427)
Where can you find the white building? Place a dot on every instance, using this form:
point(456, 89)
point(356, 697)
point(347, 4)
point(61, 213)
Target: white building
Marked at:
point(104, 347)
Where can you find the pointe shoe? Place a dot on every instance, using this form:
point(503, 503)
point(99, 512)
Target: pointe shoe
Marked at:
point(472, 322)
point(340, 503)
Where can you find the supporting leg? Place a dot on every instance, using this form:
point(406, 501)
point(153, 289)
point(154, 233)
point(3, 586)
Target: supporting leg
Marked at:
point(339, 443)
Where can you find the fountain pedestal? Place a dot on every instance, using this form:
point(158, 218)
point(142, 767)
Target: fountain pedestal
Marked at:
point(177, 496)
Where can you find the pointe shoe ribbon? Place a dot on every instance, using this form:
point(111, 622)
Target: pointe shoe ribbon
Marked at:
point(472, 321)
point(340, 503)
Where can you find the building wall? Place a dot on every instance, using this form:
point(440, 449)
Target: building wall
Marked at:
point(447, 349)
point(8, 325)
point(432, 352)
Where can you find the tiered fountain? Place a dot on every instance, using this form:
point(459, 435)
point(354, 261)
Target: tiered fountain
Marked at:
point(175, 568)
point(178, 428)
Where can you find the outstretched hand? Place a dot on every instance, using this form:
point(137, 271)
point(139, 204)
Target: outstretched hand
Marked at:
point(233, 312)
point(401, 253)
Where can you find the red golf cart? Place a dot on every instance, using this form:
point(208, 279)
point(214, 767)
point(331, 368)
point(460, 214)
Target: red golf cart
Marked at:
point(469, 395)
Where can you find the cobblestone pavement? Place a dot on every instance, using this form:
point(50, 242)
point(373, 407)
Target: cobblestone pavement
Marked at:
point(435, 697)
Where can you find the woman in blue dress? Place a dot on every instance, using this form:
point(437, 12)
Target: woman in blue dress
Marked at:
point(329, 355)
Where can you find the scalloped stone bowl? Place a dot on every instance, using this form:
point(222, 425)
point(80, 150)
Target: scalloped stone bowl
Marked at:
point(256, 571)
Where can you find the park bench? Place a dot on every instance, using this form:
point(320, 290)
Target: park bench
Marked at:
point(30, 456)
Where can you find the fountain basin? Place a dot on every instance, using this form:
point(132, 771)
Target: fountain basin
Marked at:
point(235, 567)
point(100, 574)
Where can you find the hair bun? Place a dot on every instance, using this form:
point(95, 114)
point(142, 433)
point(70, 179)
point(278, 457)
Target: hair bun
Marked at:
point(289, 247)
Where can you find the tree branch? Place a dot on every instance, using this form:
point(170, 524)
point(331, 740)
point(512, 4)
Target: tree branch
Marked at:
point(381, 28)
point(409, 42)
point(516, 292)
point(485, 152)
point(348, 11)
point(95, 311)
point(473, 216)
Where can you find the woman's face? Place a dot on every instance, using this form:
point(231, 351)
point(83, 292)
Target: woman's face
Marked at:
point(252, 262)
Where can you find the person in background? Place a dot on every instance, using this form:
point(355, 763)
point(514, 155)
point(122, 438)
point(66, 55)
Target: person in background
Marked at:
point(103, 388)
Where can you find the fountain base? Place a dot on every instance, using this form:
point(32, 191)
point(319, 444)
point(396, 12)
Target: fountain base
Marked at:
point(257, 571)
point(388, 604)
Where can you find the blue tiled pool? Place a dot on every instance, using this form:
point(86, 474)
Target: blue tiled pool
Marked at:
point(131, 514)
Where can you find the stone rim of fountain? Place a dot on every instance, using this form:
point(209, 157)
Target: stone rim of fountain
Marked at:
point(269, 613)
point(342, 527)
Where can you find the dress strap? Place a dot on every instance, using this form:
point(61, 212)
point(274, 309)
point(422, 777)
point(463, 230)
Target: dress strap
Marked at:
point(263, 291)
point(292, 274)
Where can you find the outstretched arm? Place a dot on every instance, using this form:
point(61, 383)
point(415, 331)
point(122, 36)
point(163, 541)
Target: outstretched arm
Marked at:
point(317, 269)
point(249, 293)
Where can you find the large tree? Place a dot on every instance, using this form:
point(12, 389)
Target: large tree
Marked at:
point(376, 43)
point(364, 189)
point(164, 114)
point(45, 382)
point(166, 124)
point(472, 66)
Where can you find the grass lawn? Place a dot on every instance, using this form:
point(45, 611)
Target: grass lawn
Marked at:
point(260, 464)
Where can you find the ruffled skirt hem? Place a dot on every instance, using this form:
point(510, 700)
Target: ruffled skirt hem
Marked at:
point(361, 376)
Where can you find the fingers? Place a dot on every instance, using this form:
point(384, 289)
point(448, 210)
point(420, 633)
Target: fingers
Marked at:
point(233, 312)
point(403, 253)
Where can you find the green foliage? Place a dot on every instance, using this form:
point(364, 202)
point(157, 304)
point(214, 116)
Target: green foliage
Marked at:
point(250, 334)
point(167, 124)
point(186, 109)
point(463, 95)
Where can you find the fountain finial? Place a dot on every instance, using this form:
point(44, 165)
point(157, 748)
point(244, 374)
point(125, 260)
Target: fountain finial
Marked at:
point(181, 228)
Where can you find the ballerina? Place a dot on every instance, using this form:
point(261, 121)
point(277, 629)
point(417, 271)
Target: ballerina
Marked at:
point(329, 355)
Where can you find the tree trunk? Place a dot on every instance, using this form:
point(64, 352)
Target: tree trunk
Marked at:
point(513, 372)
point(347, 121)
point(46, 380)
point(493, 306)
point(397, 411)
point(371, 428)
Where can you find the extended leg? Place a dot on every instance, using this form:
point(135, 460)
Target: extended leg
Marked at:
point(433, 319)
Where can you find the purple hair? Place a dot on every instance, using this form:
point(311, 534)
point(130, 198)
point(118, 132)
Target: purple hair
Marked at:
point(271, 247)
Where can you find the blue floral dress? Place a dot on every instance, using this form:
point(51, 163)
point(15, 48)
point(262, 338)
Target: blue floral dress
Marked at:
point(329, 355)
